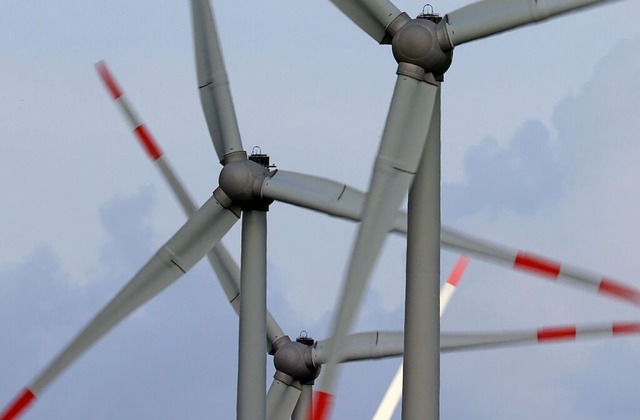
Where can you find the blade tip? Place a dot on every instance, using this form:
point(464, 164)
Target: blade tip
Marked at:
point(18, 405)
point(622, 328)
point(458, 270)
point(619, 290)
point(108, 80)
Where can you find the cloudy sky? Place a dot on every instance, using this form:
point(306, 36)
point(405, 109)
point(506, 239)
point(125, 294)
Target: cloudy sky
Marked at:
point(539, 152)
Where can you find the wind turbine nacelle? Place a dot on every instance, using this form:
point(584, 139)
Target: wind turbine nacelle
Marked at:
point(242, 181)
point(294, 359)
point(423, 43)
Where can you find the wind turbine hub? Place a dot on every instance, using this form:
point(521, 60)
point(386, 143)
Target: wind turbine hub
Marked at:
point(423, 42)
point(242, 181)
point(294, 359)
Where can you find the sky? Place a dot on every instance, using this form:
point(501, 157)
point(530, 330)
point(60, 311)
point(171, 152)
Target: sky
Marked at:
point(539, 153)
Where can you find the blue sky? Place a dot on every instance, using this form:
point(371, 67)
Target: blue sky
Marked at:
point(550, 108)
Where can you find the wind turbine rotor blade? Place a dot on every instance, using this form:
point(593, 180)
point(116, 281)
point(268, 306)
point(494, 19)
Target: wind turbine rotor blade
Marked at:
point(170, 262)
point(282, 399)
point(368, 345)
point(315, 193)
point(145, 138)
point(322, 195)
point(18, 405)
point(372, 16)
point(274, 397)
point(215, 95)
point(472, 341)
point(303, 408)
point(541, 266)
point(397, 161)
point(391, 398)
point(337, 199)
point(490, 17)
point(219, 258)
point(373, 345)
point(448, 289)
point(228, 274)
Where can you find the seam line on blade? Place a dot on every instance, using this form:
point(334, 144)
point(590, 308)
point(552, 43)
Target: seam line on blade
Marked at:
point(178, 265)
point(397, 168)
point(213, 84)
point(344, 188)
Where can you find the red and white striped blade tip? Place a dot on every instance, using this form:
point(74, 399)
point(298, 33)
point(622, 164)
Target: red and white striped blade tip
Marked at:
point(108, 79)
point(458, 271)
point(322, 404)
point(19, 405)
point(548, 268)
point(148, 143)
point(570, 332)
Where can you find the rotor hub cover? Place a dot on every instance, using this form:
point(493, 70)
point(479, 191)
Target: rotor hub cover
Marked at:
point(242, 181)
point(417, 43)
point(290, 359)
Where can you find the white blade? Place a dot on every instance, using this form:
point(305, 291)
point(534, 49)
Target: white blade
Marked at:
point(489, 17)
point(175, 258)
point(359, 346)
point(322, 195)
point(383, 344)
point(392, 397)
point(541, 266)
point(403, 139)
point(337, 199)
point(303, 408)
point(372, 16)
point(449, 288)
point(473, 341)
point(213, 82)
point(282, 399)
point(220, 259)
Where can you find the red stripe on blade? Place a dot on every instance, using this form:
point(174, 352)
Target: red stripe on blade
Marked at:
point(458, 271)
point(322, 403)
point(23, 401)
point(626, 328)
point(619, 290)
point(149, 144)
point(556, 334)
point(108, 80)
point(538, 265)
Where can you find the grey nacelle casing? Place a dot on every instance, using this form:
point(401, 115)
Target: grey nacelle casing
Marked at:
point(294, 359)
point(242, 181)
point(419, 42)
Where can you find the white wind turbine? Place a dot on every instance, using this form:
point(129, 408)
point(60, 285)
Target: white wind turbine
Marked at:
point(212, 221)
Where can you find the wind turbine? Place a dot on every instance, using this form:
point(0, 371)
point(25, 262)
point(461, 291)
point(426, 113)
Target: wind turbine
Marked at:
point(283, 396)
point(213, 211)
point(284, 393)
point(410, 145)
